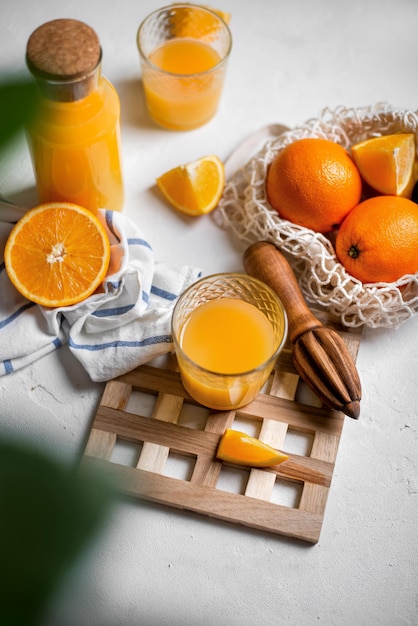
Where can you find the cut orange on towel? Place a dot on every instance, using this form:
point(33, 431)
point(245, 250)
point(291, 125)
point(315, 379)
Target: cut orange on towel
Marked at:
point(196, 187)
point(242, 449)
point(387, 163)
point(57, 254)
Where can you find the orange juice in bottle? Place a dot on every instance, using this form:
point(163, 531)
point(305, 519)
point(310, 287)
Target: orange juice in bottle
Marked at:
point(75, 142)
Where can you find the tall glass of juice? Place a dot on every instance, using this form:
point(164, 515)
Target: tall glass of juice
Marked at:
point(228, 330)
point(183, 49)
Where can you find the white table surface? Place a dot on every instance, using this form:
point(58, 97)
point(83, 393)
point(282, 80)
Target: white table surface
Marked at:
point(159, 566)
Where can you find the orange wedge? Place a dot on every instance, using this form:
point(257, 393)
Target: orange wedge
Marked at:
point(241, 449)
point(196, 187)
point(198, 24)
point(387, 163)
point(57, 254)
point(222, 14)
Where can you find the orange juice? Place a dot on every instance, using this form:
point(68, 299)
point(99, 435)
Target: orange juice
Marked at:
point(75, 143)
point(185, 56)
point(243, 340)
point(183, 82)
point(76, 151)
point(232, 339)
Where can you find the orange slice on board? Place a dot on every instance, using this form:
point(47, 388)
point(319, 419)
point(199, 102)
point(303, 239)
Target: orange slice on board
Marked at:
point(57, 254)
point(387, 163)
point(242, 449)
point(194, 188)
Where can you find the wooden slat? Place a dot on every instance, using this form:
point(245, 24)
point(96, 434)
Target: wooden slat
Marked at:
point(101, 443)
point(284, 385)
point(305, 469)
point(314, 497)
point(260, 483)
point(207, 468)
point(300, 417)
point(188, 441)
point(167, 408)
point(234, 508)
point(153, 456)
point(133, 427)
point(116, 395)
point(152, 379)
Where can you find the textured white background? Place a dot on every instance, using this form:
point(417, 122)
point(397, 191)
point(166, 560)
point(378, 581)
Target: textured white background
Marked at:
point(155, 566)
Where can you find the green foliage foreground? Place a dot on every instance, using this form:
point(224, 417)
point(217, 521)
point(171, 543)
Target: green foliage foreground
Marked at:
point(19, 100)
point(50, 512)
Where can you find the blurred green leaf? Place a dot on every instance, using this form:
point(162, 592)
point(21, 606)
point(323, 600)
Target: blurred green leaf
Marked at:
point(19, 101)
point(50, 511)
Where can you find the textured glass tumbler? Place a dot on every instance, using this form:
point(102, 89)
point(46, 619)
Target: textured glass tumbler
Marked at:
point(216, 390)
point(183, 49)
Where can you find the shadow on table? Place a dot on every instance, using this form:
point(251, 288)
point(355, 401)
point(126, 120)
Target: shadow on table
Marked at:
point(133, 108)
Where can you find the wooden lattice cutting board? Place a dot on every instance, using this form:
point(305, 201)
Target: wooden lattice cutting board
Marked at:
point(275, 414)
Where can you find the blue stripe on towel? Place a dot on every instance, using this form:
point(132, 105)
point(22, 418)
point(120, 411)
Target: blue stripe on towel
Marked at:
point(8, 367)
point(162, 293)
point(134, 241)
point(16, 314)
point(8, 363)
point(115, 311)
point(109, 224)
point(149, 341)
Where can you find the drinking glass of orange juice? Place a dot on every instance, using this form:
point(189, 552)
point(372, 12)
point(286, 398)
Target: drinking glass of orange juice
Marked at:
point(228, 330)
point(184, 49)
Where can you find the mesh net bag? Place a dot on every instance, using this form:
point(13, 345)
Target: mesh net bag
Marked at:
point(245, 211)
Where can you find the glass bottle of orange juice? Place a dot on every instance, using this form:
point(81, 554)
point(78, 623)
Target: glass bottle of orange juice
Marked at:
point(75, 142)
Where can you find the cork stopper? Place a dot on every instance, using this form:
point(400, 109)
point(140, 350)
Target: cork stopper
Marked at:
point(63, 55)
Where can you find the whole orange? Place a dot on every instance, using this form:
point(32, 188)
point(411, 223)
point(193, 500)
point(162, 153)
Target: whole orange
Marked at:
point(378, 240)
point(313, 182)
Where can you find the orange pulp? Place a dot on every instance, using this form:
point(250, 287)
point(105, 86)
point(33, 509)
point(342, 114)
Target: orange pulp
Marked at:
point(231, 342)
point(186, 93)
point(76, 151)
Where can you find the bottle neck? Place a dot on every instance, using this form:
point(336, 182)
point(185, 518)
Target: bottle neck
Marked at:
point(68, 89)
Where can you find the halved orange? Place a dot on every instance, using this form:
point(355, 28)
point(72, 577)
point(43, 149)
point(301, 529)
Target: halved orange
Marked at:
point(386, 163)
point(242, 449)
point(57, 254)
point(194, 188)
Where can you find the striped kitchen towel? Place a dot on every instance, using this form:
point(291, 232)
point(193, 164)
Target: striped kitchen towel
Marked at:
point(111, 332)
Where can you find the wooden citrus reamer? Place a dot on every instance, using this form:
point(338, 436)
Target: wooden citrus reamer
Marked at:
point(320, 356)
